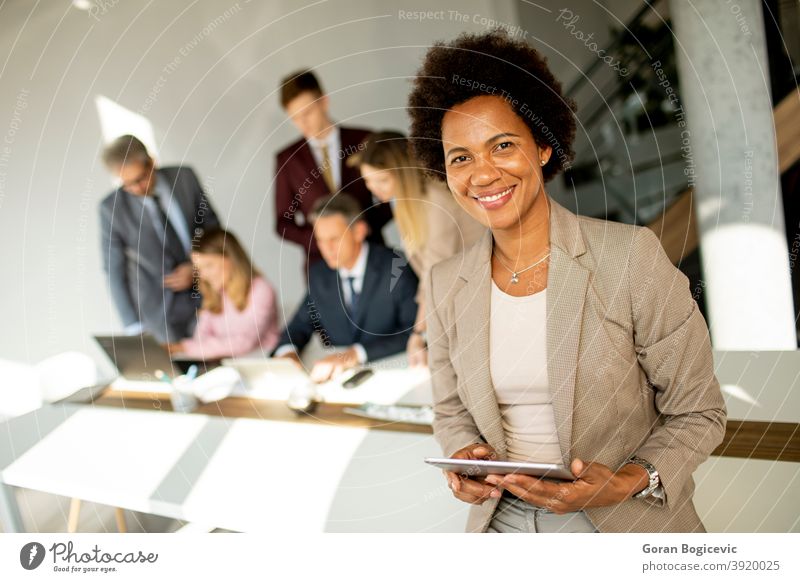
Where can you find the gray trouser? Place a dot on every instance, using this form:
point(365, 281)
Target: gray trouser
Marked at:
point(513, 515)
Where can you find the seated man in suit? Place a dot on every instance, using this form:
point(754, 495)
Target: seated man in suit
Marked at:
point(315, 166)
point(147, 228)
point(361, 297)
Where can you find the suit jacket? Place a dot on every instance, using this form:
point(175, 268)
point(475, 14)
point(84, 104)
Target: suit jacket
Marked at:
point(135, 260)
point(385, 312)
point(630, 366)
point(299, 183)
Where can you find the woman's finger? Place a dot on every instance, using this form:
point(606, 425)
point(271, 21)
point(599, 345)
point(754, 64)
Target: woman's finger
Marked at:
point(532, 496)
point(483, 452)
point(472, 487)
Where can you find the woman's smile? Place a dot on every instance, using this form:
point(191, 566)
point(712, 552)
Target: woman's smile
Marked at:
point(493, 199)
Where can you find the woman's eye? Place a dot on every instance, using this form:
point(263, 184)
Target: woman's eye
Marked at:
point(457, 160)
point(505, 145)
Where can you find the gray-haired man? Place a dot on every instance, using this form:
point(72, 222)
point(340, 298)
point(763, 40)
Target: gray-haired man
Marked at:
point(147, 228)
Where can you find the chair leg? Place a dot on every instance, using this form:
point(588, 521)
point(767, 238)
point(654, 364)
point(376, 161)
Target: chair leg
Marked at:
point(120, 515)
point(74, 514)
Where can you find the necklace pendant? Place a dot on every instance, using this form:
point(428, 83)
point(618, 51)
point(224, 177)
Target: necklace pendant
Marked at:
point(514, 278)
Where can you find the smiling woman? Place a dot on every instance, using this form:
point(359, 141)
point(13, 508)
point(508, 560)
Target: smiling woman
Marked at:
point(520, 323)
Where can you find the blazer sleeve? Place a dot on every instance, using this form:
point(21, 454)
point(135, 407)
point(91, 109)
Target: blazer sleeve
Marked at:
point(115, 265)
point(453, 425)
point(674, 349)
point(286, 208)
point(403, 297)
point(205, 214)
point(300, 329)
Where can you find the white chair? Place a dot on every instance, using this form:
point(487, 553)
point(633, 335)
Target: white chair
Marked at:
point(20, 390)
point(64, 374)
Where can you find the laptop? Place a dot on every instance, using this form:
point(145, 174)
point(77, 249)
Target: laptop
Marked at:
point(268, 374)
point(137, 357)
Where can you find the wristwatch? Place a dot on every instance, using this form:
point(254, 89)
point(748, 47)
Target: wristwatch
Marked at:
point(655, 480)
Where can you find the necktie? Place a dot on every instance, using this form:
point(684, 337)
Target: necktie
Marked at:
point(172, 242)
point(327, 169)
point(353, 295)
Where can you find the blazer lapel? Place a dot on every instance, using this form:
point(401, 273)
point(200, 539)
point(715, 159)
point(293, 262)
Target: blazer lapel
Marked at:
point(338, 323)
point(149, 239)
point(177, 197)
point(567, 281)
point(181, 196)
point(472, 310)
point(372, 276)
point(306, 162)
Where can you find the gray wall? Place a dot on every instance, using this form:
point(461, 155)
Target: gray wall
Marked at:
point(215, 108)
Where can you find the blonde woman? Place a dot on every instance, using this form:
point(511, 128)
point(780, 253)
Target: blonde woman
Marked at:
point(432, 226)
point(238, 314)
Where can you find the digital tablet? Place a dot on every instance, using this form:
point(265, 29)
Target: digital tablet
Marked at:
point(481, 468)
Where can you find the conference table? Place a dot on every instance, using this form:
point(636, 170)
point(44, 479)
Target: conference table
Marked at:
point(244, 463)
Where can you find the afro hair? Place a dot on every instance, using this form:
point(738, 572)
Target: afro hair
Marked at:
point(490, 64)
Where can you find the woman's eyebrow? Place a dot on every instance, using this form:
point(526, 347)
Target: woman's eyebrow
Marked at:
point(488, 141)
point(499, 136)
point(455, 149)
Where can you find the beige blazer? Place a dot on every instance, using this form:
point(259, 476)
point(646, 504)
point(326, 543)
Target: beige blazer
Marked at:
point(630, 366)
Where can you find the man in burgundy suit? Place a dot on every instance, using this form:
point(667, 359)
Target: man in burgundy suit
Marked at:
point(315, 166)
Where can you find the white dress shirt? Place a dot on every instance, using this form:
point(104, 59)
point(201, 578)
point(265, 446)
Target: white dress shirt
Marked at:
point(357, 272)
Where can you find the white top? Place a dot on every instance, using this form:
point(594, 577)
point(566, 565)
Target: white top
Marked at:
point(518, 367)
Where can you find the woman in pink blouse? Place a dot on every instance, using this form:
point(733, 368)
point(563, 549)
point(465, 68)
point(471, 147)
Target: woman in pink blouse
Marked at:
point(238, 314)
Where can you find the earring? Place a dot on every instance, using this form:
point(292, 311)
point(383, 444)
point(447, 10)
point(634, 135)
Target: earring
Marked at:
point(544, 162)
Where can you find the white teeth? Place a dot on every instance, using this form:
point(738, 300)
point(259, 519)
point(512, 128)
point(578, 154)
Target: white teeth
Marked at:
point(495, 197)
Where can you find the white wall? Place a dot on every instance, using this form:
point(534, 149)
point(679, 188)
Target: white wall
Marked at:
point(215, 109)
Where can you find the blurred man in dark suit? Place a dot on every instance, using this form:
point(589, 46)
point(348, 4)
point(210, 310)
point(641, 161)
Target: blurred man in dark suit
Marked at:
point(361, 297)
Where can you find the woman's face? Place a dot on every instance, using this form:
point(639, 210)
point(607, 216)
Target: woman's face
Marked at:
point(381, 183)
point(212, 268)
point(493, 164)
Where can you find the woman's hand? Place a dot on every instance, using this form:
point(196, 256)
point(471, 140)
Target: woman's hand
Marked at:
point(417, 351)
point(595, 486)
point(467, 489)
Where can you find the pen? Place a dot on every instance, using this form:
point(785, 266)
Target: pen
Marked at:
point(191, 373)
